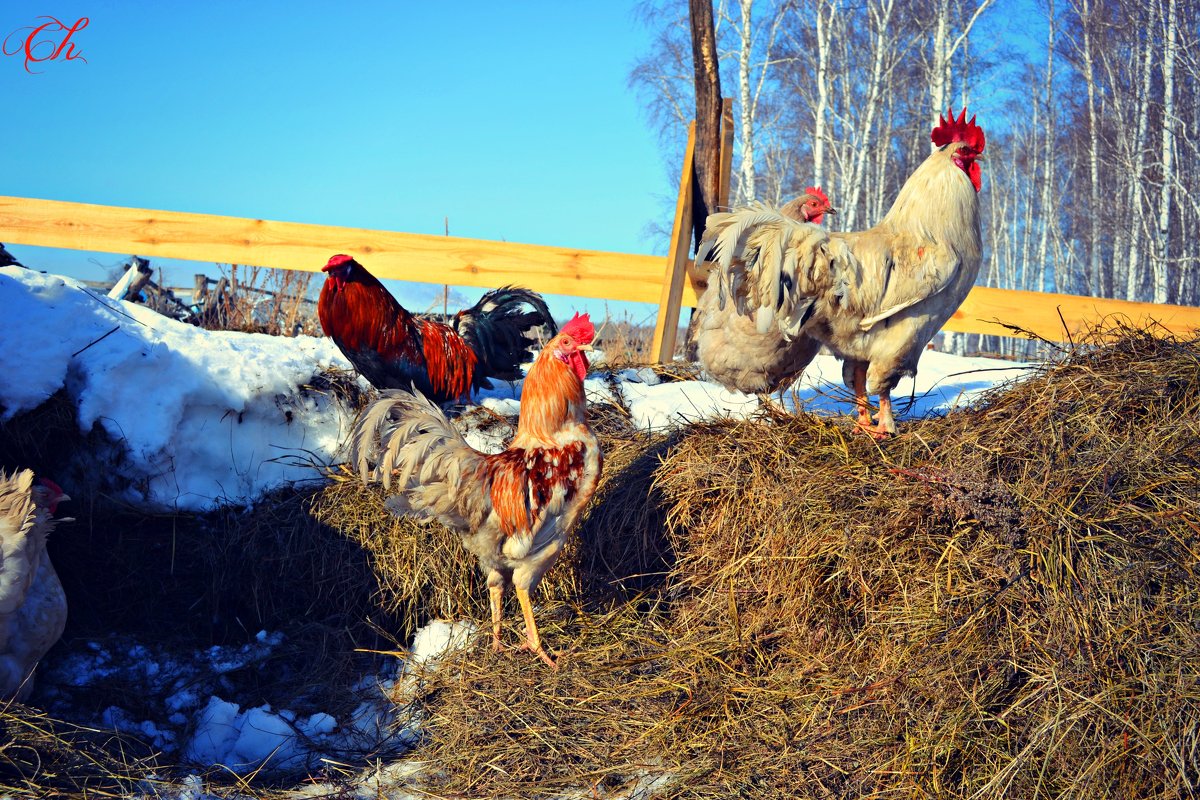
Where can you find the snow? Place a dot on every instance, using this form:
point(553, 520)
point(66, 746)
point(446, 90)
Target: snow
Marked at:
point(199, 727)
point(944, 382)
point(202, 419)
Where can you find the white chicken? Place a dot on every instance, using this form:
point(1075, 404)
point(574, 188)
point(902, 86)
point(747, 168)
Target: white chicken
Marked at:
point(733, 351)
point(33, 606)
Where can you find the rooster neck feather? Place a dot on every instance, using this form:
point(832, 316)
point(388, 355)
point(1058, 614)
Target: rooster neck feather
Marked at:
point(549, 452)
point(358, 315)
point(939, 203)
point(525, 481)
point(552, 401)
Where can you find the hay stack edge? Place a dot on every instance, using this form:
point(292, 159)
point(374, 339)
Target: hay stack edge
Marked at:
point(1002, 602)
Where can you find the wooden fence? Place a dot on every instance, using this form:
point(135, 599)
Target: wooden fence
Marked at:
point(672, 282)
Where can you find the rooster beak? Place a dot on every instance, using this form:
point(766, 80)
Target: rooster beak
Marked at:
point(587, 348)
point(831, 210)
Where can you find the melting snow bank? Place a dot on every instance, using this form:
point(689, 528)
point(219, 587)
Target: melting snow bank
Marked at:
point(202, 417)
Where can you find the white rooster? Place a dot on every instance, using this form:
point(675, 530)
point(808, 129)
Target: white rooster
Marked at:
point(873, 297)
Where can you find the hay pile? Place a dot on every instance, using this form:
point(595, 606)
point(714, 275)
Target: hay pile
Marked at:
point(1001, 603)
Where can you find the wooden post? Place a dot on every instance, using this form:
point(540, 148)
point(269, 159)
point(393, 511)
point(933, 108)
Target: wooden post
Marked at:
point(665, 329)
point(216, 308)
point(726, 153)
point(698, 273)
point(707, 81)
point(201, 290)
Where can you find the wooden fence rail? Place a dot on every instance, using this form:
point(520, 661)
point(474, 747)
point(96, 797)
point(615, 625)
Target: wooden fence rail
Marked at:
point(476, 262)
point(293, 245)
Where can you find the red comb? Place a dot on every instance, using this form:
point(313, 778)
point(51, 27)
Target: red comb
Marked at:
point(816, 192)
point(580, 328)
point(56, 493)
point(336, 262)
point(950, 130)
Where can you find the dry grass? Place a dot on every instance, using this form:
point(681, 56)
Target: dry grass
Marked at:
point(627, 342)
point(260, 300)
point(999, 603)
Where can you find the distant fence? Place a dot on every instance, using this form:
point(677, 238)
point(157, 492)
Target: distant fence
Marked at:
point(671, 282)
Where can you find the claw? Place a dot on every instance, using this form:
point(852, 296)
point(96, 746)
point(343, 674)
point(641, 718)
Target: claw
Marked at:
point(877, 432)
point(541, 653)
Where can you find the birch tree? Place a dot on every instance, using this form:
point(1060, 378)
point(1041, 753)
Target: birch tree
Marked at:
point(824, 18)
point(880, 15)
point(755, 58)
point(1134, 273)
point(1087, 67)
point(1163, 240)
point(945, 46)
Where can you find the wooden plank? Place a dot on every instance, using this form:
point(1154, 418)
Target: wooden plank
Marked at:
point(698, 275)
point(300, 246)
point(666, 327)
point(1038, 312)
point(726, 154)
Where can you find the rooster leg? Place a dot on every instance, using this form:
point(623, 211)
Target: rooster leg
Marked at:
point(496, 600)
point(860, 395)
point(532, 641)
point(766, 401)
point(887, 424)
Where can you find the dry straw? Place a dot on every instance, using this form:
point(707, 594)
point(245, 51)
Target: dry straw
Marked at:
point(998, 603)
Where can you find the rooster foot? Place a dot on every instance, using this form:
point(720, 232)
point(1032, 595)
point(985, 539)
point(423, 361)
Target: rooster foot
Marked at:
point(541, 654)
point(498, 648)
point(877, 431)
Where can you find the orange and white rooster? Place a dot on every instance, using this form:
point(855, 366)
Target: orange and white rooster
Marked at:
point(33, 607)
point(513, 509)
point(875, 298)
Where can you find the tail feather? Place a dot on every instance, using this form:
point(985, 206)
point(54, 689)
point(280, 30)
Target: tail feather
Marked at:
point(7, 259)
point(774, 268)
point(405, 440)
point(497, 328)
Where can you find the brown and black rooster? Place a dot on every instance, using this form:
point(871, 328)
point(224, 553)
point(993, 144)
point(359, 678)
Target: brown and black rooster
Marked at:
point(395, 349)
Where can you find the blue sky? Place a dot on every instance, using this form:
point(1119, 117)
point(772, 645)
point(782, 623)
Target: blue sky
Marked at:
point(513, 119)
